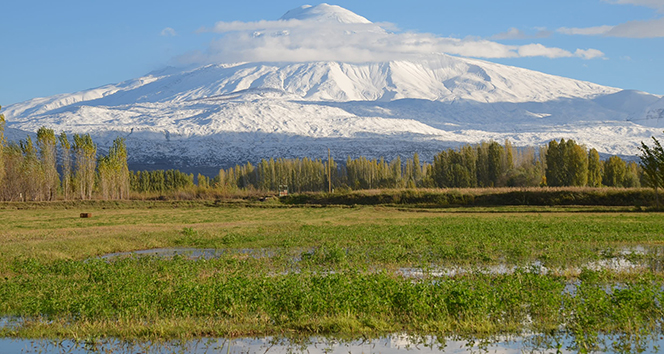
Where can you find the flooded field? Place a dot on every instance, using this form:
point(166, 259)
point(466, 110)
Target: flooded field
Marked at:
point(585, 281)
point(635, 258)
point(393, 344)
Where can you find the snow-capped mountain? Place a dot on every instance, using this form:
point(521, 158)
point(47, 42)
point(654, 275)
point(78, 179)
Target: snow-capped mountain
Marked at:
point(222, 114)
point(324, 13)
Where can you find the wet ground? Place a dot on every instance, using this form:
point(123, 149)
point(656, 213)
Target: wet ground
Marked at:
point(627, 259)
point(391, 344)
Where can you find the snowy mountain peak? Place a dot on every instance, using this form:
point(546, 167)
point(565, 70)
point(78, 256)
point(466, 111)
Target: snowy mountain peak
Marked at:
point(218, 115)
point(324, 13)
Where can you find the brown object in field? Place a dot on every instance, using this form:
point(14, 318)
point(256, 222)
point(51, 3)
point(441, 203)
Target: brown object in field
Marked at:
point(86, 215)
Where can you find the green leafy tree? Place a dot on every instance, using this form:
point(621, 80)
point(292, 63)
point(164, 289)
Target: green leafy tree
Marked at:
point(495, 163)
point(440, 168)
point(576, 159)
point(594, 169)
point(482, 169)
point(652, 163)
point(632, 173)
point(417, 169)
point(566, 164)
point(614, 172)
point(555, 166)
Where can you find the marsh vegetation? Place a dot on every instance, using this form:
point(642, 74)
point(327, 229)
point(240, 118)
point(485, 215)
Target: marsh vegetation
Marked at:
point(341, 271)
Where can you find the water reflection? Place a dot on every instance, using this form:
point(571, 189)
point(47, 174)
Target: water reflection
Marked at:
point(387, 345)
point(190, 253)
point(626, 259)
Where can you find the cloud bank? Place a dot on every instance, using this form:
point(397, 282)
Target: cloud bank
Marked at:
point(653, 28)
point(515, 33)
point(655, 4)
point(631, 29)
point(310, 40)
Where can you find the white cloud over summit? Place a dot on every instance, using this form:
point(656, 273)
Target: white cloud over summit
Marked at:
point(295, 40)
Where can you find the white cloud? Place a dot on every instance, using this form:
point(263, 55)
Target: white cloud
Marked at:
point(589, 54)
point(639, 29)
point(235, 26)
point(512, 33)
point(515, 33)
point(588, 31)
point(303, 40)
point(632, 29)
point(168, 32)
point(538, 50)
point(653, 28)
point(655, 4)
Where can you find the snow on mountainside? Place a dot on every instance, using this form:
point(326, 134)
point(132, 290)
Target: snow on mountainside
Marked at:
point(229, 113)
point(323, 13)
point(654, 113)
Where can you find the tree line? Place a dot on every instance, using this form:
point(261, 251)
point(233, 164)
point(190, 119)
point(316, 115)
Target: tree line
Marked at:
point(67, 167)
point(484, 165)
point(61, 167)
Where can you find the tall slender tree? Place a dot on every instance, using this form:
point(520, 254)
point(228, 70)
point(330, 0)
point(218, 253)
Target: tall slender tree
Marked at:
point(555, 164)
point(2, 152)
point(495, 163)
point(30, 171)
point(66, 164)
point(482, 152)
point(86, 151)
point(118, 155)
point(46, 142)
point(576, 160)
point(594, 169)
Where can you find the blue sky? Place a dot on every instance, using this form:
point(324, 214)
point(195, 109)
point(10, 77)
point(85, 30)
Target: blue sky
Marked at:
point(51, 47)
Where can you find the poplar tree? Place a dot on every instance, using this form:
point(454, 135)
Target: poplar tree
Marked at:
point(509, 156)
point(554, 164)
point(576, 160)
point(105, 172)
point(495, 163)
point(66, 164)
point(2, 152)
point(631, 178)
point(440, 169)
point(417, 169)
point(594, 169)
point(482, 170)
point(113, 171)
point(203, 181)
point(614, 172)
point(46, 142)
point(118, 158)
point(30, 171)
point(13, 185)
point(86, 151)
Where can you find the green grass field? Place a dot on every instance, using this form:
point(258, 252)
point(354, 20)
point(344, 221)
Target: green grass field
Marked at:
point(333, 270)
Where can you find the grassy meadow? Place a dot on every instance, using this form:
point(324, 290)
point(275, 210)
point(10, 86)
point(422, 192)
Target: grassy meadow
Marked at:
point(328, 270)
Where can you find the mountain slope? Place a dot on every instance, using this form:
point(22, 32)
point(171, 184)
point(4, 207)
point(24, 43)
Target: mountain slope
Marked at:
point(228, 113)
